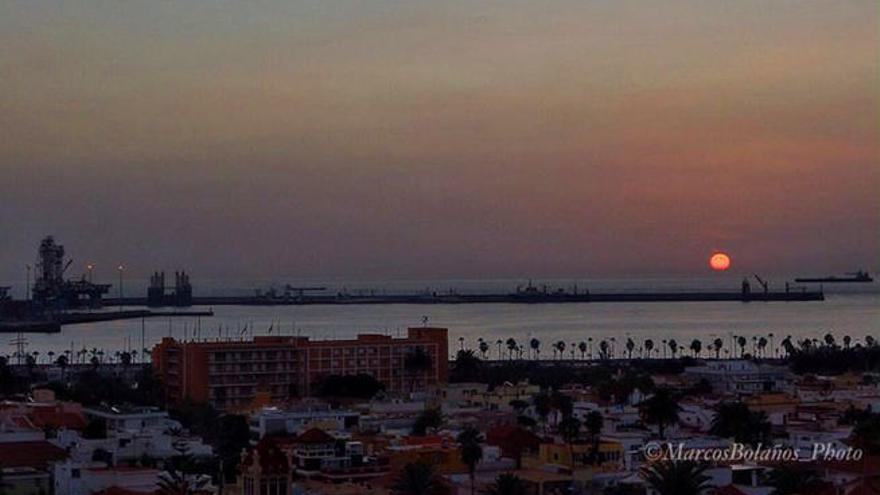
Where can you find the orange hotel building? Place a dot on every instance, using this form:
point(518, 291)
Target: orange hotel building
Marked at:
point(230, 374)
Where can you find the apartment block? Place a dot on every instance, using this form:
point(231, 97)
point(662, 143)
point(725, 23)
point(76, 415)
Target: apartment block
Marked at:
point(231, 374)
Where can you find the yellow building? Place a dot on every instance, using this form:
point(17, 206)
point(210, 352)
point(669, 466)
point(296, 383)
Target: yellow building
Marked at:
point(575, 456)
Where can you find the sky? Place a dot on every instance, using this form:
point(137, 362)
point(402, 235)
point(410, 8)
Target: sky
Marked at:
point(439, 139)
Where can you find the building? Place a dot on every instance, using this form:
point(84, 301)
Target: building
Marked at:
point(275, 421)
point(230, 374)
point(740, 377)
point(264, 469)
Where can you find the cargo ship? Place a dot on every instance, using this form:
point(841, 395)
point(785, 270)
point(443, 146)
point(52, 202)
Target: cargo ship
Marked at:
point(859, 276)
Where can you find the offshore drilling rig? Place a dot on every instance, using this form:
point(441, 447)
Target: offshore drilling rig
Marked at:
point(52, 292)
point(180, 295)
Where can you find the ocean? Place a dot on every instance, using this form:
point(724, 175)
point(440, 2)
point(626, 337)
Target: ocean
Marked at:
point(849, 309)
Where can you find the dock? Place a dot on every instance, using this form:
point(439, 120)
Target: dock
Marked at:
point(54, 324)
point(513, 298)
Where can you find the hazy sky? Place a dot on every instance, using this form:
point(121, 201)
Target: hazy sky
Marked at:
point(441, 138)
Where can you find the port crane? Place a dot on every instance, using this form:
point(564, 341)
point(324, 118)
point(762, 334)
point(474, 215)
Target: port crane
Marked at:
point(763, 283)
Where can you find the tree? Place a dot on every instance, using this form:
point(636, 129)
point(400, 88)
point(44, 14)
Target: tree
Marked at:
point(866, 433)
point(603, 349)
point(511, 346)
point(649, 347)
point(560, 347)
point(507, 484)
point(582, 346)
point(661, 409)
point(418, 478)
point(174, 482)
point(428, 419)
point(787, 480)
point(484, 348)
point(673, 347)
point(543, 406)
point(762, 345)
point(535, 345)
point(741, 342)
point(416, 363)
point(677, 478)
point(570, 428)
point(696, 347)
point(630, 347)
point(466, 367)
point(593, 424)
point(95, 429)
point(361, 386)
point(470, 450)
point(735, 420)
point(718, 344)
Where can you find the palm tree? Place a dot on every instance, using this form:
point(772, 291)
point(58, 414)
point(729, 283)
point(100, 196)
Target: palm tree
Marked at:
point(499, 343)
point(535, 345)
point(696, 347)
point(418, 478)
point(416, 363)
point(593, 424)
point(673, 347)
point(484, 348)
point(661, 409)
point(507, 484)
point(762, 345)
point(829, 340)
point(560, 347)
point(62, 363)
point(569, 428)
point(718, 344)
point(735, 420)
point(630, 346)
point(511, 346)
point(582, 346)
point(677, 478)
point(847, 340)
point(543, 405)
point(787, 480)
point(649, 347)
point(603, 349)
point(470, 450)
point(741, 342)
point(176, 483)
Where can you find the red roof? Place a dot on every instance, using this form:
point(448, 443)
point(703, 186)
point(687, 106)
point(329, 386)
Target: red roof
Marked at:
point(728, 490)
point(56, 417)
point(425, 440)
point(30, 454)
point(314, 436)
point(513, 440)
point(115, 490)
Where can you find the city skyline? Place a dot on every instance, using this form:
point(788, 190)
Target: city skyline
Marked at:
point(420, 140)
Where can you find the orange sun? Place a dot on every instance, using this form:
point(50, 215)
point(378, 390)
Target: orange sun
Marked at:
point(719, 262)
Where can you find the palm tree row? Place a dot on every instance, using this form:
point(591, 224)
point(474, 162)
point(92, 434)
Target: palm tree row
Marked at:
point(92, 356)
point(735, 346)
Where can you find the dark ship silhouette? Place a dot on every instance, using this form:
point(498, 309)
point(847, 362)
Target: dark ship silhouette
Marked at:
point(859, 276)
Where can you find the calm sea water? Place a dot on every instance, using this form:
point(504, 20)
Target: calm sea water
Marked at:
point(849, 309)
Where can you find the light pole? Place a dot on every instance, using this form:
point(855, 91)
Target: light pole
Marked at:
point(121, 269)
point(27, 290)
point(90, 267)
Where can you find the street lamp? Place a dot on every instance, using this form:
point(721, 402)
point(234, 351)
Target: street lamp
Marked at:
point(90, 267)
